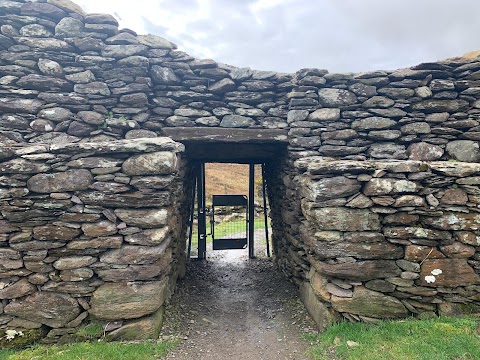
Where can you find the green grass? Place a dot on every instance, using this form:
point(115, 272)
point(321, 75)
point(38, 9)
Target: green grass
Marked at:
point(433, 339)
point(226, 228)
point(146, 350)
point(91, 331)
point(235, 226)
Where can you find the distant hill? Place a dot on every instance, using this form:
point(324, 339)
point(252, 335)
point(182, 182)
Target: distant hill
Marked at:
point(229, 179)
point(472, 54)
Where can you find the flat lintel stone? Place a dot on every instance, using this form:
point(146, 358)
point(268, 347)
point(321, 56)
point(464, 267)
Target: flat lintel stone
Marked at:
point(236, 135)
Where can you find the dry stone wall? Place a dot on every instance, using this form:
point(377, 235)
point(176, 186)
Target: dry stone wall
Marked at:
point(383, 239)
point(91, 229)
point(374, 205)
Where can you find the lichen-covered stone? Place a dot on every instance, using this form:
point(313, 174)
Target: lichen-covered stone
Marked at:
point(149, 237)
point(134, 255)
point(370, 303)
point(464, 150)
point(17, 289)
point(455, 221)
point(329, 188)
point(374, 122)
point(70, 180)
point(143, 218)
point(383, 186)
point(128, 300)
point(424, 151)
point(49, 308)
point(157, 163)
point(336, 97)
point(141, 329)
point(344, 219)
point(236, 121)
point(53, 232)
point(325, 115)
point(360, 270)
point(73, 262)
point(447, 272)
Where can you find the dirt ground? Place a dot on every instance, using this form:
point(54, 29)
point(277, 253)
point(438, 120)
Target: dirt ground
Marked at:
point(231, 307)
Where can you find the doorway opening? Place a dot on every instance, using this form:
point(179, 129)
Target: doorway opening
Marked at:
point(229, 210)
point(255, 151)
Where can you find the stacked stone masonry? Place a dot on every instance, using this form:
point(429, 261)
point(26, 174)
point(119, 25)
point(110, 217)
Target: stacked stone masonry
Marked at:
point(375, 205)
point(91, 229)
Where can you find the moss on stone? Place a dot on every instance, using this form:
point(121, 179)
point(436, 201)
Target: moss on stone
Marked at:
point(29, 337)
point(91, 331)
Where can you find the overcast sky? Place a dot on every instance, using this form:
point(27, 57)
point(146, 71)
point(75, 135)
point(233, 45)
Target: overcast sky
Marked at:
point(287, 35)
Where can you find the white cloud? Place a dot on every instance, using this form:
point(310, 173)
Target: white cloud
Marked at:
point(285, 35)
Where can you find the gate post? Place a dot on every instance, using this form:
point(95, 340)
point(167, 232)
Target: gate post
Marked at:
point(202, 216)
point(251, 212)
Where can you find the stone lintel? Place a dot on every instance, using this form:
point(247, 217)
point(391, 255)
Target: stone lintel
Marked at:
point(226, 135)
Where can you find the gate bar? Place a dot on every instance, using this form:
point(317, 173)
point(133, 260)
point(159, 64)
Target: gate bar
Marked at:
point(251, 212)
point(265, 216)
point(202, 221)
point(192, 212)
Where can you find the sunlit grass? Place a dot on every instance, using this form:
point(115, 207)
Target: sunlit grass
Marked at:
point(91, 331)
point(225, 228)
point(441, 338)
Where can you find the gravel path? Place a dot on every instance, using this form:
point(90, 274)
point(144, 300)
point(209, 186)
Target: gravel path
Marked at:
point(231, 307)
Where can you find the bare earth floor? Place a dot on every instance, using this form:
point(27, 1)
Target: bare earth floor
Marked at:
point(230, 307)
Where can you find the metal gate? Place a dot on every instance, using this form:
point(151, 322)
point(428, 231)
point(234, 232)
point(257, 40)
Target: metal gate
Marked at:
point(232, 210)
point(221, 242)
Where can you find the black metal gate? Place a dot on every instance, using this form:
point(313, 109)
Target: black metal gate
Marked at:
point(232, 210)
point(247, 203)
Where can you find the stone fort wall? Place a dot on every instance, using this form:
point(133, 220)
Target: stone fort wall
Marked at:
point(374, 206)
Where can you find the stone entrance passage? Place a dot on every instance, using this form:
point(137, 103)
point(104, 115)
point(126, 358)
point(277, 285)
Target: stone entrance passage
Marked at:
point(245, 146)
point(373, 177)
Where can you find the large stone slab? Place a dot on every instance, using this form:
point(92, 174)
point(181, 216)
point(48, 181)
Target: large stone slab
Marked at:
point(49, 308)
point(360, 270)
point(73, 262)
point(204, 134)
point(342, 219)
point(128, 300)
point(384, 186)
point(135, 255)
point(370, 303)
point(20, 105)
point(70, 180)
point(381, 250)
point(320, 313)
point(336, 97)
point(17, 289)
point(53, 232)
point(135, 199)
point(438, 106)
point(454, 221)
point(329, 188)
point(458, 169)
point(447, 272)
point(149, 237)
point(464, 150)
point(110, 242)
point(143, 218)
point(138, 272)
point(236, 121)
point(141, 329)
point(21, 166)
point(118, 146)
point(156, 163)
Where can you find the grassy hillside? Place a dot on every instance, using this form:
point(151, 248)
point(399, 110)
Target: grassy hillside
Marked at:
point(229, 179)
